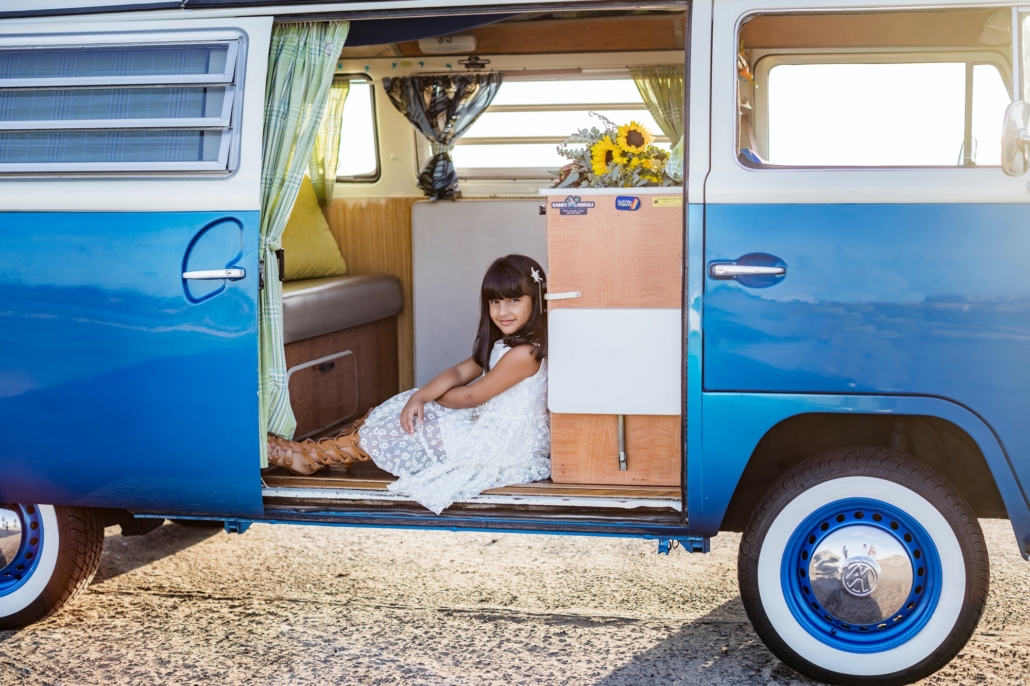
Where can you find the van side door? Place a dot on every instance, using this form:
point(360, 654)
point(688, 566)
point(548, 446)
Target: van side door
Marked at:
point(130, 163)
point(860, 235)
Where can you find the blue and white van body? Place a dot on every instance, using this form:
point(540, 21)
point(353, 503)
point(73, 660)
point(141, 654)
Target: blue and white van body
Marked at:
point(899, 313)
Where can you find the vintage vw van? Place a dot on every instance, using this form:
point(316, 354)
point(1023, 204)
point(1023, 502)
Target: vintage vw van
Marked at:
point(822, 333)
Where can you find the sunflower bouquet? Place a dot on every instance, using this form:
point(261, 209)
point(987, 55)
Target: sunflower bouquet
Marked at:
point(612, 157)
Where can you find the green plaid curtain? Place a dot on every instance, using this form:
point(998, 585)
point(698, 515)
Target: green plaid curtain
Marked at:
point(662, 91)
point(325, 156)
point(300, 70)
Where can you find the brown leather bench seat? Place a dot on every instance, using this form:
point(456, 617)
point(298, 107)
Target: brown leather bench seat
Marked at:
point(314, 307)
point(341, 347)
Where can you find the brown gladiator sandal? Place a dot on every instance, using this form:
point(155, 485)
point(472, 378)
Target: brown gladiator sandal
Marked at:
point(310, 456)
point(290, 455)
point(341, 449)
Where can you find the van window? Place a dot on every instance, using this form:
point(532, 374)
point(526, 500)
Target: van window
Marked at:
point(517, 136)
point(888, 89)
point(883, 115)
point(359, 150)
point(155, 107)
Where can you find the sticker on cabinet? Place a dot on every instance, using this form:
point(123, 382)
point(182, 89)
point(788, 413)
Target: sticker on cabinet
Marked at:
point(675, 201)
point(627, 202)
point(573, 205)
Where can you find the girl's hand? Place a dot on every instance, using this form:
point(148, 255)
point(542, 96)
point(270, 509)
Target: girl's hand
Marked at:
point(414, 410)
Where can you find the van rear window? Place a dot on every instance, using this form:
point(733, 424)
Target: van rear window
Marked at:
point(130, 107)
point(518, 134)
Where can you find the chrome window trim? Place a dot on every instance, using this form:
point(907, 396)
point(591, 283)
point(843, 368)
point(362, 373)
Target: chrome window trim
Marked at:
point(225, 77)
point(116, 81)
point(220, 164)
point(775, 57)
point(228, 120)
point(374, 176)
point(62, 167)
point(222, 121)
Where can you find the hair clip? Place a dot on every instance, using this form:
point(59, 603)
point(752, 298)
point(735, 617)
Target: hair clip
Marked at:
point(539, 287)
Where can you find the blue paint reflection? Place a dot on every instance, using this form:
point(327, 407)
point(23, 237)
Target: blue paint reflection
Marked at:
point(887, 299)
point(115, 390)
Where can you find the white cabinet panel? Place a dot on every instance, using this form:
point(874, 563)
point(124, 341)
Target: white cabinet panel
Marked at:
point(615, 361)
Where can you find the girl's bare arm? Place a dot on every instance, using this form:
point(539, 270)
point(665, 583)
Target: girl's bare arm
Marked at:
point(459, 375)
point(518, 364)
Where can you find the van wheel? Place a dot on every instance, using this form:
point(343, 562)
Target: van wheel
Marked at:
point(863, 566)
point(48, 555)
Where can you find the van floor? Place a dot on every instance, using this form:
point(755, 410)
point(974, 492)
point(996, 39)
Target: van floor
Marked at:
point(366, 481)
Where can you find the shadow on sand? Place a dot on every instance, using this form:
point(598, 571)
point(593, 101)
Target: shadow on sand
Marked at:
point(125, 553)
point(718, 648)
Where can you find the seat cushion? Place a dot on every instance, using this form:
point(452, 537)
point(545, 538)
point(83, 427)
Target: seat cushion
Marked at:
point(311, 250)
point(313, 307)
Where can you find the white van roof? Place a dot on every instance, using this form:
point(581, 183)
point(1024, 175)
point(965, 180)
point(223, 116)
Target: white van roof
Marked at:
point(11, 9)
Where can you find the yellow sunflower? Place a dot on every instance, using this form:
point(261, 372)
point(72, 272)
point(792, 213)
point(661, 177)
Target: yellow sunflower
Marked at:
point(603, 153)
point(634, 138)
point(645, 162)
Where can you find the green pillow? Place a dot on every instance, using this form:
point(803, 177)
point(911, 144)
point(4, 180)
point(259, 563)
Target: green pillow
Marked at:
point(311, 250)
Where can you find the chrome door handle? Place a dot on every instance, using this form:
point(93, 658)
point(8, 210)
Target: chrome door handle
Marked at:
point(230, 274)
point(729, 270)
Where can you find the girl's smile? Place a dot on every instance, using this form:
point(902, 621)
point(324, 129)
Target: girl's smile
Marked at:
point(510, 314)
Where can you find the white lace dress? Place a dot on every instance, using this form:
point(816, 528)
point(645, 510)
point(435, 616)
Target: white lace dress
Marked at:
point(456, 454)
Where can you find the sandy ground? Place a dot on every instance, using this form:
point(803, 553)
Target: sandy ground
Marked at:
point(313, 605)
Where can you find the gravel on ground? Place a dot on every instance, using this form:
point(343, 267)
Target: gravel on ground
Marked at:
point(320, 605)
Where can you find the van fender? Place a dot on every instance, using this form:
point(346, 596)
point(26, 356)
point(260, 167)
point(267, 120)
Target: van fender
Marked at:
point(732, 424)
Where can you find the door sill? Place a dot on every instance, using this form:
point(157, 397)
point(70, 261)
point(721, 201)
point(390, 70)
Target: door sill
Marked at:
point(365, 482)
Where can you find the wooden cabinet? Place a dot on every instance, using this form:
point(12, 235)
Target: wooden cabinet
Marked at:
point(617, 258)
point(623, 252)
point(585, 450)
point(341, 375)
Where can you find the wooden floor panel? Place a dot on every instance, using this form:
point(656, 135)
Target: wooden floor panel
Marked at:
point(366, 476)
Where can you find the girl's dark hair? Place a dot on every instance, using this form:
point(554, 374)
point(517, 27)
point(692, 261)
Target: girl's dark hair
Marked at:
point(511, 277)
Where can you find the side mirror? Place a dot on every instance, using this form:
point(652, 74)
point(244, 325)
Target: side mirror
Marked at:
point(1015, 139)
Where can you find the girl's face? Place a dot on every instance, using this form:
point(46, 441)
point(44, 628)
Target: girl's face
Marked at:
point(510, 314)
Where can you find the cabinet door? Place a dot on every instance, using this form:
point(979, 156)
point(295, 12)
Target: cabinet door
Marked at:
point(615, 349)
point(617, 257)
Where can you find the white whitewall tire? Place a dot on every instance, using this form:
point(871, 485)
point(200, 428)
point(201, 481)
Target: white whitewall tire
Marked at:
point(48, 555)
point(938, 562)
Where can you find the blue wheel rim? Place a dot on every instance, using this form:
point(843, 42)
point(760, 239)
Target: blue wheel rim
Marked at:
point(915, 611)
point(20, 568)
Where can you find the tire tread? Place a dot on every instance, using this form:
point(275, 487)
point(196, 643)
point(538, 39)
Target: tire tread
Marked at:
point(81, 544)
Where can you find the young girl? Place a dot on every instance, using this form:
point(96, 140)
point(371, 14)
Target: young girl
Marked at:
point(453, 438)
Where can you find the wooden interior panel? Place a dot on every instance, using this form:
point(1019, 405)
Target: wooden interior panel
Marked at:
point(374, 235)
point(852, 30)
point(595, 34)
point(585, 450)
point(358, 381)
point(616, 258)
point(367, 476)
